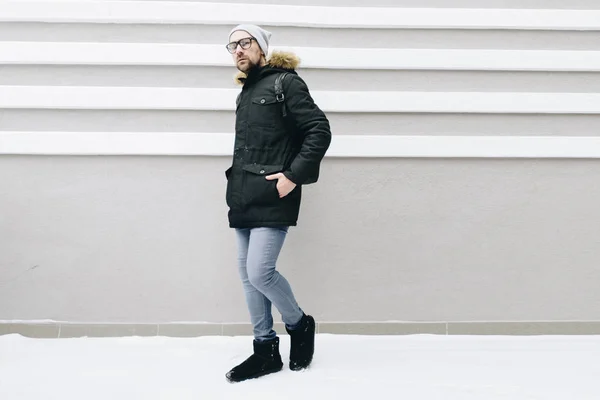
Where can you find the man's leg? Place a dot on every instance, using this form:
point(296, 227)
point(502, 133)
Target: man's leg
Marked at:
point(264, 247)
point(266, 358)
point(259, 306)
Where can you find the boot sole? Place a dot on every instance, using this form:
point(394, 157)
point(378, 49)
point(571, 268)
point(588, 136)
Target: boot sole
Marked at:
point(263, 373)
point(300, 368)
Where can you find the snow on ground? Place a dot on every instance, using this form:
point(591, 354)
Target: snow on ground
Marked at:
point(422, 367)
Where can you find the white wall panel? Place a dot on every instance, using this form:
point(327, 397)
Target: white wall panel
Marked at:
point(141, 54)
point(156, 98)
point(308, 16)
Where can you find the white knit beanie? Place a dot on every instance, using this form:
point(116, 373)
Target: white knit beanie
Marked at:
point(262, 36)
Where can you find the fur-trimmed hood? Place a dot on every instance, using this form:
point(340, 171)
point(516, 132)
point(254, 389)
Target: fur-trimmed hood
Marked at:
point(278, 59)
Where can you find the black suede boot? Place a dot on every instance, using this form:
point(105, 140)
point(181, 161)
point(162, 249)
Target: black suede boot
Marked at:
point(302, 343)
point(265, 360)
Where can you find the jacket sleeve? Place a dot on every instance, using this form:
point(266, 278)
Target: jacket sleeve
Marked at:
point(313, 127)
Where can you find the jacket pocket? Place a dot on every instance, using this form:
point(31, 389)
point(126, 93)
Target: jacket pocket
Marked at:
point(264, 100)
point(264, 111)
point(257, 190)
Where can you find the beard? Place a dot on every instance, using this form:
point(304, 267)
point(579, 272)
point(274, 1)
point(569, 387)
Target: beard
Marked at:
point(247, 66)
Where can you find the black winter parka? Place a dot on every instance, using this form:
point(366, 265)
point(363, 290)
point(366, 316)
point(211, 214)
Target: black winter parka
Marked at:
point(267, 142)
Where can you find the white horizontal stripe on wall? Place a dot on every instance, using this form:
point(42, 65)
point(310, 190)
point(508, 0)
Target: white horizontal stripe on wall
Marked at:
point(221, 144)
point(161, 98)
point(49, 53)
point(174, 12)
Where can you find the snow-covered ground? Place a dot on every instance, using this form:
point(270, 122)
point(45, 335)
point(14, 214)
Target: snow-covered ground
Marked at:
point(416, 367)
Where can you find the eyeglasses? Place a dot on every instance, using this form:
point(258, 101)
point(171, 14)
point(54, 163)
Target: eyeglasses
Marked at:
point(245, 43)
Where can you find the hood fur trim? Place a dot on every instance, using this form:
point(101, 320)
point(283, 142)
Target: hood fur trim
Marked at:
point(278, 59)
point(284, 59)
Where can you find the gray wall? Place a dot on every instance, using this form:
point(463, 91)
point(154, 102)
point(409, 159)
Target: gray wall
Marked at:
point(144, 239)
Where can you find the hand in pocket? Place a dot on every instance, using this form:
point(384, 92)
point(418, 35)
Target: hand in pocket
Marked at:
point(284, 185)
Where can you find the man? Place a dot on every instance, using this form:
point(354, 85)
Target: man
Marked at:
point(281, 136)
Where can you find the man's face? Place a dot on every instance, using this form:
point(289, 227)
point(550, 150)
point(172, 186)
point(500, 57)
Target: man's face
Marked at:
point(246, 59)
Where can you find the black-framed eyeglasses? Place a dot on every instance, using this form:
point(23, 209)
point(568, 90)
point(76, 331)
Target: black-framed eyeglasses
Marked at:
point(245, 43)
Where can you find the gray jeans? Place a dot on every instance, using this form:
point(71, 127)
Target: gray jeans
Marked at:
point(258, 249)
